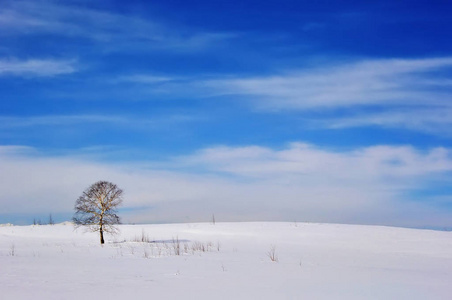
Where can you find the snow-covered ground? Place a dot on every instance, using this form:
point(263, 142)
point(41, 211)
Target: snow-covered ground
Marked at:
point(226, 261)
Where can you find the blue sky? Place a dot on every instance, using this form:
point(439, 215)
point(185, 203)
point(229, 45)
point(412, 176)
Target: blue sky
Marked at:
point(325, 111)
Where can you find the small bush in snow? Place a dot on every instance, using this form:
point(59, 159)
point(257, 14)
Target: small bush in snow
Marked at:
point(272, 254)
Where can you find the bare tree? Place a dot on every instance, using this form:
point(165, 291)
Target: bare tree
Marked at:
point(97, 207)
point(51, 222)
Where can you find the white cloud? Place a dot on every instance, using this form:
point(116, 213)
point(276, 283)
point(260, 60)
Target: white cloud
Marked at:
point(7, 122)
point(372, 165)
point(144, 78)
point(300, 182)
point(36, 67)
point(435, 120)
point(412, 94)
point(52, 120)
point(388, 82)
point(29, 17)
point(83, 21)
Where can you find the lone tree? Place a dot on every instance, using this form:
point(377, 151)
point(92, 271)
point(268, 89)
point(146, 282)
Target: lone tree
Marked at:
point(97, 207)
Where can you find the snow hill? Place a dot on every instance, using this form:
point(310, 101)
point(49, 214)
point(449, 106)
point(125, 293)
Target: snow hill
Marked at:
point(226, 261)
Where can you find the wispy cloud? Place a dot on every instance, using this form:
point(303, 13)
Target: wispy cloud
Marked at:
point(298, 182)
point(383, 83)
point(30, 17)
point(390, 82)
point(52, 120)
point(436, 121)
point(411, 94)
point(7, 122)
point(37, 67)
point(144, 79)
point(69, 20)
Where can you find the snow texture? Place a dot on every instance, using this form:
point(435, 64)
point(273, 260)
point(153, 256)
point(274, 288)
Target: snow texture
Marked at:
point(226, 261)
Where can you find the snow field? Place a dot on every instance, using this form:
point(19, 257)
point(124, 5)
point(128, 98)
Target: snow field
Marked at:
point(226, 261)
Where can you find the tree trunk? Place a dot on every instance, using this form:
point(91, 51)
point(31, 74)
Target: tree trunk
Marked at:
point(101, 235)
